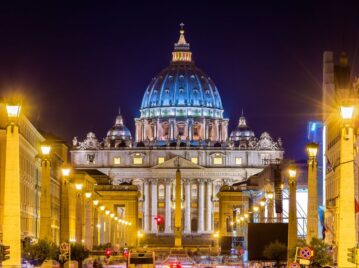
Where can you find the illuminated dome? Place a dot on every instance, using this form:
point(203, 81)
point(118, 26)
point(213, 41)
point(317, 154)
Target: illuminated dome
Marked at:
point(119, 131)
point(181, 89)
point(242, 131)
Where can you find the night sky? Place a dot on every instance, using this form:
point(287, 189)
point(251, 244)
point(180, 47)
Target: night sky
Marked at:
point(76, 63)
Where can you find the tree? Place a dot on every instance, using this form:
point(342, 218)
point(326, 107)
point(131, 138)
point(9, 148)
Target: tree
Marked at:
point(79, 253)
point(321, 252)
point(40, 251)
point(276, 251)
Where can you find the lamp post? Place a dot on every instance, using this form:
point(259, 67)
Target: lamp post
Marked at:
point(255, 213)
point(12, 216)
point(96, 222)
point(346, 236)
point(45, 201)
point(64, 219)
point(292, 221)
point(270, 206)
point(262, 204)
point(312, 210)
point(88, 221)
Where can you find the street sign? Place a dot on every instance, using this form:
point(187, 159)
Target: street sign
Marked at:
point(294, 265)
point(304, 262)
point(306, 253)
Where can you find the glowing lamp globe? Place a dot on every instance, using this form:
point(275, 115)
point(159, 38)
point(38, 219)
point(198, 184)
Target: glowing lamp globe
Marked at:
point(45, 150)
point(65, 172)
point(78, 186)
point(88, 195)
point(96, 202)
point(312, 150)
point(346, 112)
point(292, 172)
point(13, 111)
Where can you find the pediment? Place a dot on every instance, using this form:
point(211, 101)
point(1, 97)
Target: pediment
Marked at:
point(177, 162)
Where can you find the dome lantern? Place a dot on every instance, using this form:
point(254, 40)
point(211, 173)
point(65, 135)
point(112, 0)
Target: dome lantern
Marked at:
point(181, 51)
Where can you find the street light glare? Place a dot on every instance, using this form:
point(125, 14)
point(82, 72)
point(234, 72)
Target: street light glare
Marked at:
point(65, 172)
point(347, 112)
point(13, 111)
point(312, 149)
point(78, 186)
point(292, 171)
point(45, 149)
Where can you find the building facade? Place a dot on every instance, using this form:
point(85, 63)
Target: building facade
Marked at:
point(181, 126)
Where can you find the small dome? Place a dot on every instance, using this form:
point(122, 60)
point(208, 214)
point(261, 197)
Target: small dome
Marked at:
point(119, 131)
point(242, 131)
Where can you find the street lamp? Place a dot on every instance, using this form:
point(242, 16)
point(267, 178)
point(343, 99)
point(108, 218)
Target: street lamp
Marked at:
point(312, 209)
point(45, 201)
point(79, 186)
point(344, 173)
point(292, 221)
point(88, 195)
point(262, 203)
point(65, 203)
point(11, 212)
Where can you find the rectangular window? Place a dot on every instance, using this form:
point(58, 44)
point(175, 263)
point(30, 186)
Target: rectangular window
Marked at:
point(117, 160)
point(137, 160)
point(238, 160)
point(217, 160)
point(194, 160)
point(160, 160)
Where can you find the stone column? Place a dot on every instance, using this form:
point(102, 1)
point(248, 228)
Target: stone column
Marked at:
point(95, 229)
point(65, 221)
point(187, 209)
point(203, 129)
point(171, 129)
point(102, 229)
point(312, 209)
point(209, 206)
point(146, 206)
point(88, 225)
point(292, 218)
point(154, 228)
point(154, 129)
point(200, 206)
point(168, 219)
point(190, 129)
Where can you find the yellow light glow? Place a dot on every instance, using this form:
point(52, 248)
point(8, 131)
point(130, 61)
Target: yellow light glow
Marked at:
point(88, 195)
point(137, 160)
point(232, 223)
point(237, 220)
point(269, 195)
point(13, 111)
point(346, 112)
point(194, 160)
point(107, 212)
point(96, 202)
point(102, 208)
point(112, 215)
point(116, 218)
point(262, 203)
point(312, 149)
point(246, 215)
point(160, 160)
point(130, 223)
point(216, 234)
point(255, 208)
point(45, 149)
point(140, 234)
point(79, 186)
point(292, 171)
point(241, 218)
point(98, 226)
point(65, 172)
point(217, 161)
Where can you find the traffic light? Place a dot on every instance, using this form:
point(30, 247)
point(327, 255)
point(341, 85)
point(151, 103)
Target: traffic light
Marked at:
point(108, 252)
point(4, 252)
point(125, 253)
point(352, 255)
point(159, 220)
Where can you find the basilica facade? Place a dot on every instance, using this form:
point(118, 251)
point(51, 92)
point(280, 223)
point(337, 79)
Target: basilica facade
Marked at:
point(181, 125)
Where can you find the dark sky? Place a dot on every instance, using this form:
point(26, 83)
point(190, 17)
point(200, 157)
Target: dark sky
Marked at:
point(76, 63)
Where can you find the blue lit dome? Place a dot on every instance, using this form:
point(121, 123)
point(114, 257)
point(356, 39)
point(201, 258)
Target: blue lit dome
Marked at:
point(181, 89)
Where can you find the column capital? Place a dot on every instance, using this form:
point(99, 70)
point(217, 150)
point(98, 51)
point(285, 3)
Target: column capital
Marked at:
point(201, 181)
point(168, 181)
point(153, 181)
point(186, 181)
